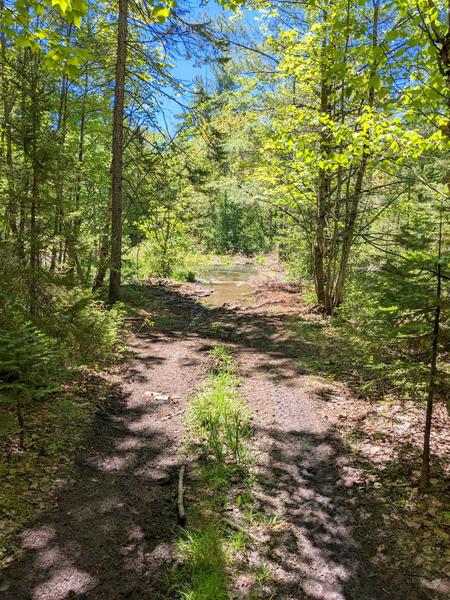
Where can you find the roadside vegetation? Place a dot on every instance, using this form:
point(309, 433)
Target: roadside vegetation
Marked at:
point(50, 391)
point(189, 266)
point(377, 387)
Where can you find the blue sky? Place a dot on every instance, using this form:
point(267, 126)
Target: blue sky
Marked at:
point(186, 70)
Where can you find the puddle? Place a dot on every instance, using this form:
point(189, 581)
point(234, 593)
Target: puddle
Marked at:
point(227, 273)
point(232, 293)
point(230, 284)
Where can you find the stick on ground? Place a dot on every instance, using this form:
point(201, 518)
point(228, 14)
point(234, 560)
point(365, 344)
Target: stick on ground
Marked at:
point(181, 511)
point(238, 527)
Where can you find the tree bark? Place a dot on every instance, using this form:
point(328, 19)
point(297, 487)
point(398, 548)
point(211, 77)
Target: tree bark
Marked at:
point(8, 102)
point(323, 187)
point(35, 169)
point(74, 226)
point(425, 475)
point(61, 138)
point(347, 240)
point(103, 251)
point(117, 155)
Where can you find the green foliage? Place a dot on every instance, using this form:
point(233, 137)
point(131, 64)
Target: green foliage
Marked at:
point(30, 363)
point(204, 572)
point(207, 552)
point(219, 418)
point(165, 230)
point(222, 359)
point(388, 320)
point(216, 475)
point(88, 327)
point(236, 227)
point(31, 367)
point(182, 275)
point(218, 415)
point(295, 253)
point(381, 362)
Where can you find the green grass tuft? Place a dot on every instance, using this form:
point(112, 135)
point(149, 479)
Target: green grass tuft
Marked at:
point(219, 417)
point(204, 564)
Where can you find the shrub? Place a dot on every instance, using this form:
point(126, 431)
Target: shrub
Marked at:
point(188, 276)
point(87, 326)
point(30, 367)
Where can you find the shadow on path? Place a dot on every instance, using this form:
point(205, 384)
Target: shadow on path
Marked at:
point(109, 535)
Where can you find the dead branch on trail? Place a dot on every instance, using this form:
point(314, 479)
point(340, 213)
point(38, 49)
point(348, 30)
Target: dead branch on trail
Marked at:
point(238, 527)
point(181, 511)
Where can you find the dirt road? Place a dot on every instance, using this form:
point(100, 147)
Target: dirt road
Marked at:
point(110, 535)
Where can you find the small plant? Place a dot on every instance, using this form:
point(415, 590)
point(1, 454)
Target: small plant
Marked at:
point(88, 327)
point(237, 543)
point(262, 573)
point(204, 564)
point(188, 276)
point(220, 418)
point(223, 361)
point(30, 367)
point(216, 328)
point(216, 475)
point(166, 320)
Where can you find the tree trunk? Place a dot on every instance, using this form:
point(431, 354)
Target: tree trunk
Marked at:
point(59, 183)
point(425, 476)
point(319, 248)
point(61, 133)
point(117, 155)
point(35, 169)
point(347, 240)
point(74, 226)
point(323, 189)
point(103, 252)
point(7, 101)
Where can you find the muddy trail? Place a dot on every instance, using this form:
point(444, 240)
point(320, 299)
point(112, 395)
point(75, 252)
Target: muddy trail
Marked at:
point(110, 534)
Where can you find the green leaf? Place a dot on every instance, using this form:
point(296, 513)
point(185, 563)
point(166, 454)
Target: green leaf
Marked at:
point(161, 13)
point(62, 4)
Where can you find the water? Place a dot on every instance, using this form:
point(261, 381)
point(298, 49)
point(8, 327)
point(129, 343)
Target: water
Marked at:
point(229, 284)
point(227, 273)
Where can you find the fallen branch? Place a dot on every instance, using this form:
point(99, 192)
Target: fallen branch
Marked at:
point(238, 527)
point(260, 305)
point(181, 511)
